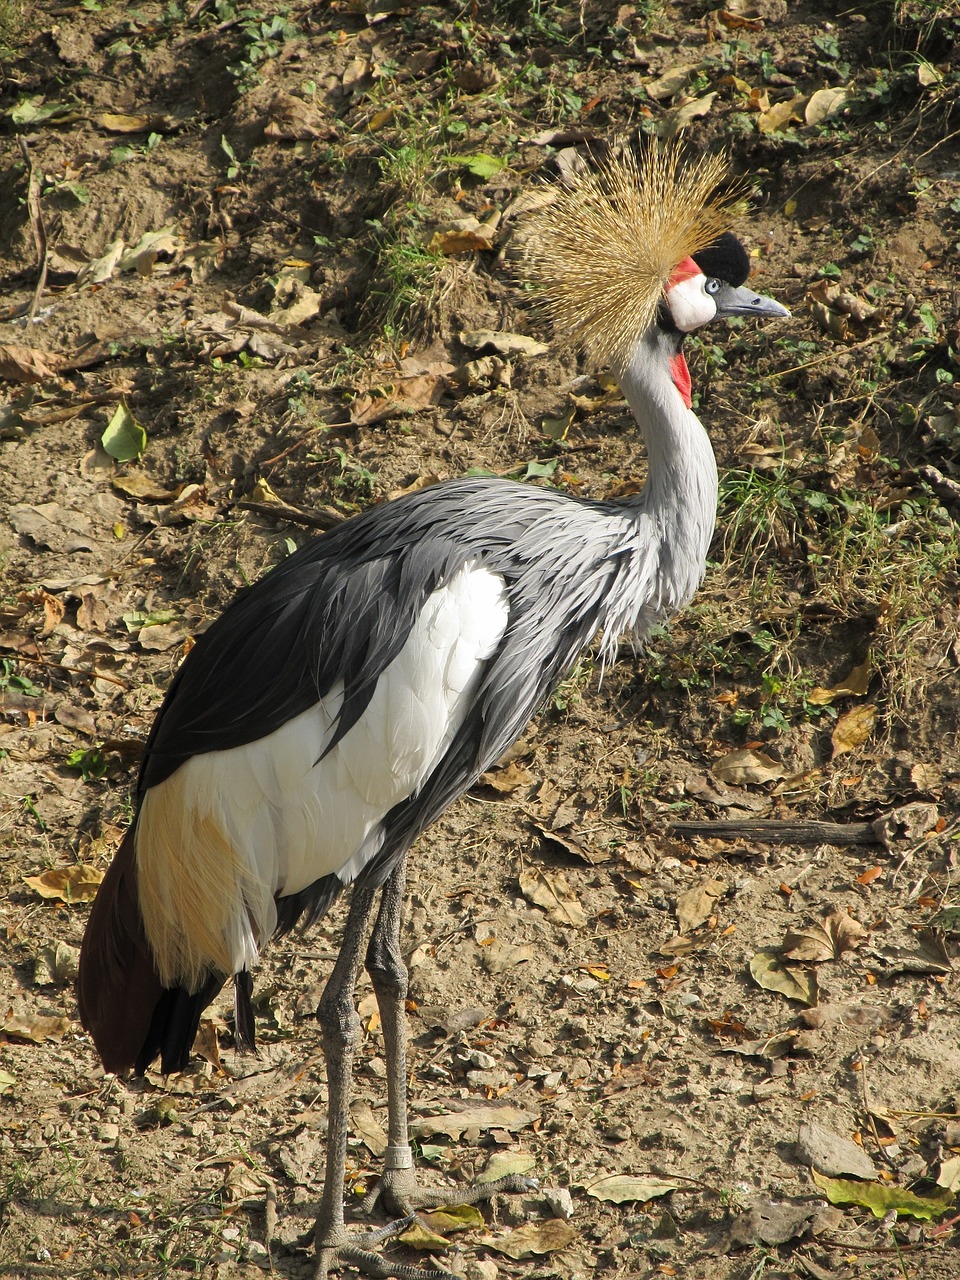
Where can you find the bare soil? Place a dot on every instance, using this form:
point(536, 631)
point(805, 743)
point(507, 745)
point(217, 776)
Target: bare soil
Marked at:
point(584, 971)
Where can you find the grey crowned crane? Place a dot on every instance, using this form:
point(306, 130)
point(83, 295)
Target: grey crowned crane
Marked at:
point(339, 705)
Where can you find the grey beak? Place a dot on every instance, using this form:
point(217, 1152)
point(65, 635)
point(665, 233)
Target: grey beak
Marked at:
point(744, 302)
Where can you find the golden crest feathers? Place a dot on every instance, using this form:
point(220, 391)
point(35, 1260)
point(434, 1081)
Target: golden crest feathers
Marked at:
point(602, 250)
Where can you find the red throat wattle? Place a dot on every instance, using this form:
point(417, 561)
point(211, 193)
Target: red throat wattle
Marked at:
point(681, 377)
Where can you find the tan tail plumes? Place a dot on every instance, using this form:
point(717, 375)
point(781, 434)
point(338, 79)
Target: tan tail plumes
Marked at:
point(603, 249)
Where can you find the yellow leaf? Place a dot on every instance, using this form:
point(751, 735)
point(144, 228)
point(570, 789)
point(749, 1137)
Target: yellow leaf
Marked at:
point(780, 115)
point(853, 728)
point(78, 883)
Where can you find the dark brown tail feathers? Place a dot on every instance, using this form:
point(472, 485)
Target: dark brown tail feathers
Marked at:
point(130, 1015)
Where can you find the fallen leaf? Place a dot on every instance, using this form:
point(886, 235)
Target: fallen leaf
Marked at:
point(681, 116)
point(912, 821)
point(949, 1175)
point(672, 81)
point(19, 363)
point(151, 246)
point(453, 1124)
point(853, 728)
point(36, 1029)
point(468, 235)
point(552, 891)
point(828, 940)
point(430, 1228)
point(592, 857)
point(121, 122)
point(99, 270)
point(881, 1199)
point(746, 766)
point(508, 779)
point(7, 1081)
point(78, 883)
point(772, 1222)
point(854, 685)
point(142, 488)
point(504, 1163)
point(780, 115)
point(697, 904)
point(364, 1123)
point(124, 438)
point(534, 1238)
point(620, 1188)
point(768, 971)
point(505, 344)
point(823, 104)
point(56, 964)
point(408, 395)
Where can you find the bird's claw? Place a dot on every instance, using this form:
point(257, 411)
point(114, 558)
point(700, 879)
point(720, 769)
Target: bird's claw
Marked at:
point(397, 1191)
point(357, 1250)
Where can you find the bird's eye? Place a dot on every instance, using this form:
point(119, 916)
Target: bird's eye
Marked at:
point(712, 285)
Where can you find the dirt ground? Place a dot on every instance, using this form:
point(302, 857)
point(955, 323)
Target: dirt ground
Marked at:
point(257, 275)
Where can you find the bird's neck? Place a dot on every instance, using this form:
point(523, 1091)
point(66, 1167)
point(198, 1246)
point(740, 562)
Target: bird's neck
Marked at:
point(680, 496)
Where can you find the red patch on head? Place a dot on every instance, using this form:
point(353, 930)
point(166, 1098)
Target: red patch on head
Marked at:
point(684, 270)
point(681, 377)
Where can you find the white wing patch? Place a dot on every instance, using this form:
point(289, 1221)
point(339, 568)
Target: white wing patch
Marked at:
point(230, 829)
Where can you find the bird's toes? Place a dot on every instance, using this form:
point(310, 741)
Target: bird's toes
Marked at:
point(358, 1253)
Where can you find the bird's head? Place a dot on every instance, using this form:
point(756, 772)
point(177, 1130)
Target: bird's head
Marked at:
point(633, 244)
point(710, 285)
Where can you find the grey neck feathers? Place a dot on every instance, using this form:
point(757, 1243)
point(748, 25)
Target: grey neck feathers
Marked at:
point(680, 497)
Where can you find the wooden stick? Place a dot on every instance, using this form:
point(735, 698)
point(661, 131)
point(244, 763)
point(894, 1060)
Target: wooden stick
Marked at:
point(772, 832)
point(39, 231)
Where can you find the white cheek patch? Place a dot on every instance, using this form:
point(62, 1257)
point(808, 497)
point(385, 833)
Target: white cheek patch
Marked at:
point(690, 304)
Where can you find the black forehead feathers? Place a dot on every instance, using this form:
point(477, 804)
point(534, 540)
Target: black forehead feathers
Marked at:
point(726, 259)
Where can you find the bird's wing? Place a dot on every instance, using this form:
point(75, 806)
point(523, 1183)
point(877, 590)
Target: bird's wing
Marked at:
point(231, 829)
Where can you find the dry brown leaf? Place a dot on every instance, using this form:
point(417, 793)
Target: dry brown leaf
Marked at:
point(19, 363)
point(122, 122)
point(619, 1188)
point(504, 344)
point(853, 728)
point(143, 488)
point(823, 104)
point(553, 891)
point(408, 395)
point(535, 1238)
point(672, 81)
point(854, 685)
point(697, 904)
point(508, 779)
point(492, 1116)
point(469, 236)
point(780, 115)
point(829, 939)
point(746, 766)
point(592, 857)
point(78, 883)
point(34, 1028)
point(681, 116)
point(769, 971)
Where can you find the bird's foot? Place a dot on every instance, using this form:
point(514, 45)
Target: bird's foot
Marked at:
point(342, 1248)
point(399, 1192)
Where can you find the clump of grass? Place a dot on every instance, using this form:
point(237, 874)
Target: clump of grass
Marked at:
point(893, 570)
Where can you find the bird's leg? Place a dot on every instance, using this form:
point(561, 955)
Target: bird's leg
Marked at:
point(340, 1028)
point(398, 1190)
